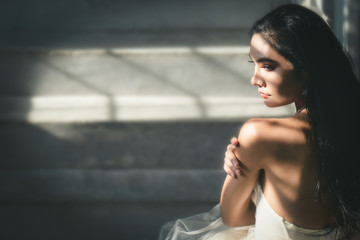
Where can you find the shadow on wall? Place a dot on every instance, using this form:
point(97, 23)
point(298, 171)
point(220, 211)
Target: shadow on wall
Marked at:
point(58, 180)
point(17, 79)
point(92, 24)
point(112, 146)
point(31, 29)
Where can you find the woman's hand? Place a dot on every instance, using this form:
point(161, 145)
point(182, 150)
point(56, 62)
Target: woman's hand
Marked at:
point(231, 163)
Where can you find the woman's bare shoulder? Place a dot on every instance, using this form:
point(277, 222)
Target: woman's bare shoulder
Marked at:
point(273, 130)
point(261, 138)
point(255, 130)
point(254, 142)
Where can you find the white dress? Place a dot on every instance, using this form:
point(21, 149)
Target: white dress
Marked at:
point(268, 226)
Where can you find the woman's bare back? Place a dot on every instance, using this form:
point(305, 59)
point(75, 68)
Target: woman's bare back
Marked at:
point(289, 179)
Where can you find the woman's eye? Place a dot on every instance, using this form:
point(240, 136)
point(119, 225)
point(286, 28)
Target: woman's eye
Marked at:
point(268, 67)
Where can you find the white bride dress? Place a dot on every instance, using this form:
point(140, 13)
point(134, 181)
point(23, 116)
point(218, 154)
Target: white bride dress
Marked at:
point(268, 226)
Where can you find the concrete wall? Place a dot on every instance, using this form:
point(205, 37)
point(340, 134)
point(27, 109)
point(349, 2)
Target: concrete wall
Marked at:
point(102, 15)
point(93, 177)
point(78, 23)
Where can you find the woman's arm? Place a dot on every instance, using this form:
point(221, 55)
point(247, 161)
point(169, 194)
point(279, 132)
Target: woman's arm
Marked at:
point(237, 209)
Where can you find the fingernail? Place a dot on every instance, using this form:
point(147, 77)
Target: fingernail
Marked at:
point(232, 175)
point(237, 171)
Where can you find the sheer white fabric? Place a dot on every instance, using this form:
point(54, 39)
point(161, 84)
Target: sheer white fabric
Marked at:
point(269, 226)
point(204, 226)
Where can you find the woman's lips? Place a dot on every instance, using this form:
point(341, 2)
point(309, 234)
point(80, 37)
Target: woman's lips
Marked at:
point(264, 95)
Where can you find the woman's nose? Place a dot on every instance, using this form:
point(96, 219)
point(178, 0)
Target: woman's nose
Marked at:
point(256, 80)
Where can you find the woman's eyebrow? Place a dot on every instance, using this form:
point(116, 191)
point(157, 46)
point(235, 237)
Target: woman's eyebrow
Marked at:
point(263, 59)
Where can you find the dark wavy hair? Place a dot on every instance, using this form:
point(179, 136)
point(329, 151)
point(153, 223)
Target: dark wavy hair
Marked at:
point(331, 97)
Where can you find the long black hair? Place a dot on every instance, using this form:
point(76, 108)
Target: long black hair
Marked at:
point(331, 97)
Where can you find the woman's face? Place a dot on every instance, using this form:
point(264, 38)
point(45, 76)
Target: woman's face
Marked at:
point(278, 83)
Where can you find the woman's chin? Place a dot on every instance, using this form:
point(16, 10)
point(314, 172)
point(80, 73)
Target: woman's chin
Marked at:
point(272, 104)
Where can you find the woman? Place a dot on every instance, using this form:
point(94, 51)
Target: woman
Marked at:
point(296, 177)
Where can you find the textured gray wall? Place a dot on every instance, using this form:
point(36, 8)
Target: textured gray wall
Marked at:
point(110, 180)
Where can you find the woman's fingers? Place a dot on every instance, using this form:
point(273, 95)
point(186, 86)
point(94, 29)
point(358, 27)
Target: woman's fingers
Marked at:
point(231, 163)
point(229, 171)
point(230, 148)
point(231, 155)
point(234, 141)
